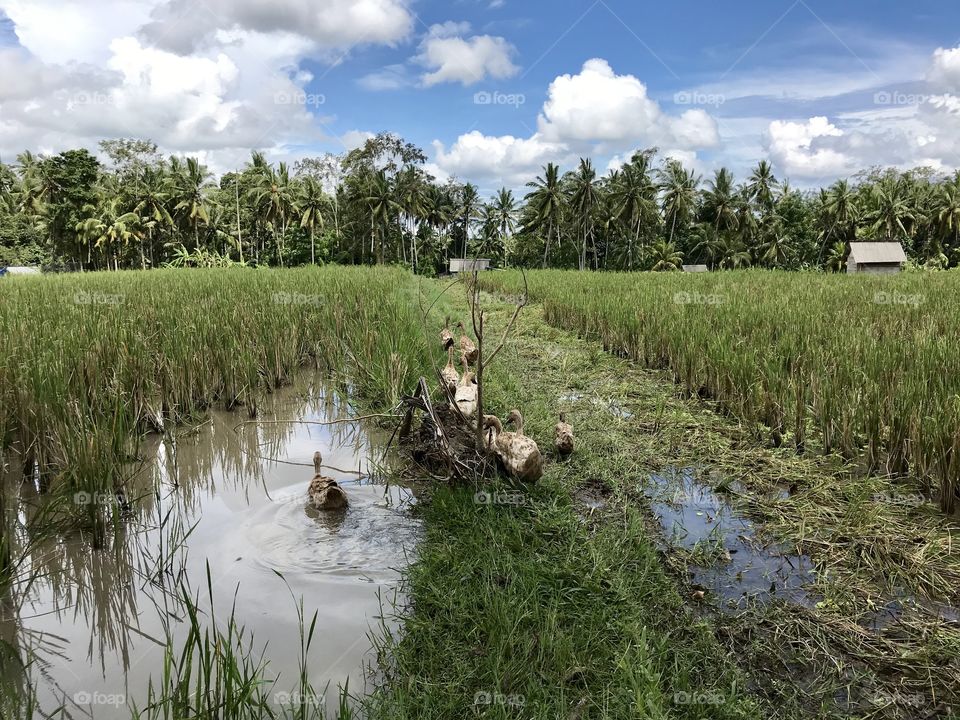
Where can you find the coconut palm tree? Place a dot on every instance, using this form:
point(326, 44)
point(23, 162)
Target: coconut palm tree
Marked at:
point(664, 256)
point(633, 195)
point(890, 214)
point(546, 200)
point(189, 183)
point(274, 195)
point(584, 201)
point(948, 212)
point(720, 203)
point(679, 195)
point(504, 209)
point(108, 228)
point(383, 207)
point(763, 186)
point(311, 204)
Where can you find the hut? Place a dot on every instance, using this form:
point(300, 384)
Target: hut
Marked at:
point(880, 258)
point(460, 265)
point(695, 268)
point(19, 270)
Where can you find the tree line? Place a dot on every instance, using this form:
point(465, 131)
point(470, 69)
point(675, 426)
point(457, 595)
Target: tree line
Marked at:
point(377, 204)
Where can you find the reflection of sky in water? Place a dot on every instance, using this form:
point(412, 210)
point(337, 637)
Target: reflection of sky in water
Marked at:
point(691, 513)
point(251, 518)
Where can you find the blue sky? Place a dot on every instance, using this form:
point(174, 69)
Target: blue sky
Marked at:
point(819, 88)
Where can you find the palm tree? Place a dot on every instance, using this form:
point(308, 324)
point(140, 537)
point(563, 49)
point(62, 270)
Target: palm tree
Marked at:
point(584, 201)
point(890, 214)
point(504, 211)
point(274, 196)
point(633, 195)
point(679, 199)
point(189, 185)
point(383, 207)
point(546, 199)
point(948, 211)
point(152, 206)
point(762, 186)
point(468, 211)
point(720, 203)
point(311, 203)
point(108, 228)
point(664, 256)
point(412, 198)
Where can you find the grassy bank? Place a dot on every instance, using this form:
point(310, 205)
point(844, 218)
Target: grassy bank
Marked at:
point(863, 366)
point(565, 602)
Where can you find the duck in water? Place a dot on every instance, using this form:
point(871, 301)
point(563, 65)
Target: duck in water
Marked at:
point(325, 493)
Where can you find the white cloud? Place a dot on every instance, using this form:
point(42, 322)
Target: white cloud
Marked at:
point(599, 106)
point(945, 70)
point(506, 159)
point(452, 58)
point(183, 25)
point(794, 146)
point(390, 77)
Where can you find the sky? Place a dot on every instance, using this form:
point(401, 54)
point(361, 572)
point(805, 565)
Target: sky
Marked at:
point(493, 89)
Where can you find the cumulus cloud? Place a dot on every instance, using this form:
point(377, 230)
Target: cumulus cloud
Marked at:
point(595, 112)
point(449, 57)
point(182, 25)
point(598, 106)
point(904, 130)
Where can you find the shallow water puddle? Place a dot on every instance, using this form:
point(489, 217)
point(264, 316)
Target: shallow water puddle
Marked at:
point(727, 558)
point(94, 616)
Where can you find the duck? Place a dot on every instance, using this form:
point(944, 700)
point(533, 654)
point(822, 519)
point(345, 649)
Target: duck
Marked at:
point(325, 493)
point(563, 436)
point(446, 337)
point(520, 454)
point(451, 378)
point(468, 351)
point(466, 395)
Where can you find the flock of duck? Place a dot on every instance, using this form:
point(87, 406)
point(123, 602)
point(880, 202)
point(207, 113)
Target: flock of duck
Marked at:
point(519, 453)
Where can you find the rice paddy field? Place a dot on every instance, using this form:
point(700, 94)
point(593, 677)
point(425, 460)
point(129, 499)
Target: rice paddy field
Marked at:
point(866, 367)
point(757, 520)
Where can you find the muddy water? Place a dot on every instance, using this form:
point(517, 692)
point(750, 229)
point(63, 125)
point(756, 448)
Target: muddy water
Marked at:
point(95, 620)
point(728, 558)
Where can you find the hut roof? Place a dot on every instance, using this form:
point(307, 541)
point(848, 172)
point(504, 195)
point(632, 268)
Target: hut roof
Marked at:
point(877, 252)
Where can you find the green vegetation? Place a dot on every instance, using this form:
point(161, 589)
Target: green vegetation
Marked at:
point(378, 204)
point(861, 366)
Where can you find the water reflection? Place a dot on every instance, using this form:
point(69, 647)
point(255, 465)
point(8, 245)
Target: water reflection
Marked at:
point(232, 494)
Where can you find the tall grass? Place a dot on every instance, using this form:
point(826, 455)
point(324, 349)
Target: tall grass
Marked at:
point(90, 362)
point(866, 366)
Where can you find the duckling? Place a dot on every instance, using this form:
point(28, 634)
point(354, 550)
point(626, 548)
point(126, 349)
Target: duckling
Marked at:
point(451, 378)
point(466, 395)
point(324, 492)
point(446, 337)
point(563, 436)
point(519, 453)
point(468, 350)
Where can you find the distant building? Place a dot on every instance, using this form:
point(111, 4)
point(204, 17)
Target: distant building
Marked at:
point(881, 258)
point(695, 268)
point(19, 270)
point(469, 265)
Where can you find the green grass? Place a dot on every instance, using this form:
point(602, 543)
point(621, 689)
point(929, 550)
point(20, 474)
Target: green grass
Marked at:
point(864, 366)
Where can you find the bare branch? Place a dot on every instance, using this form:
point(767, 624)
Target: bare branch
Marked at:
point(513, 320)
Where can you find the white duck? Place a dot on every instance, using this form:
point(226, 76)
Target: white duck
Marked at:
point(466, 395)
point(451, 378)
point(519, 453)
